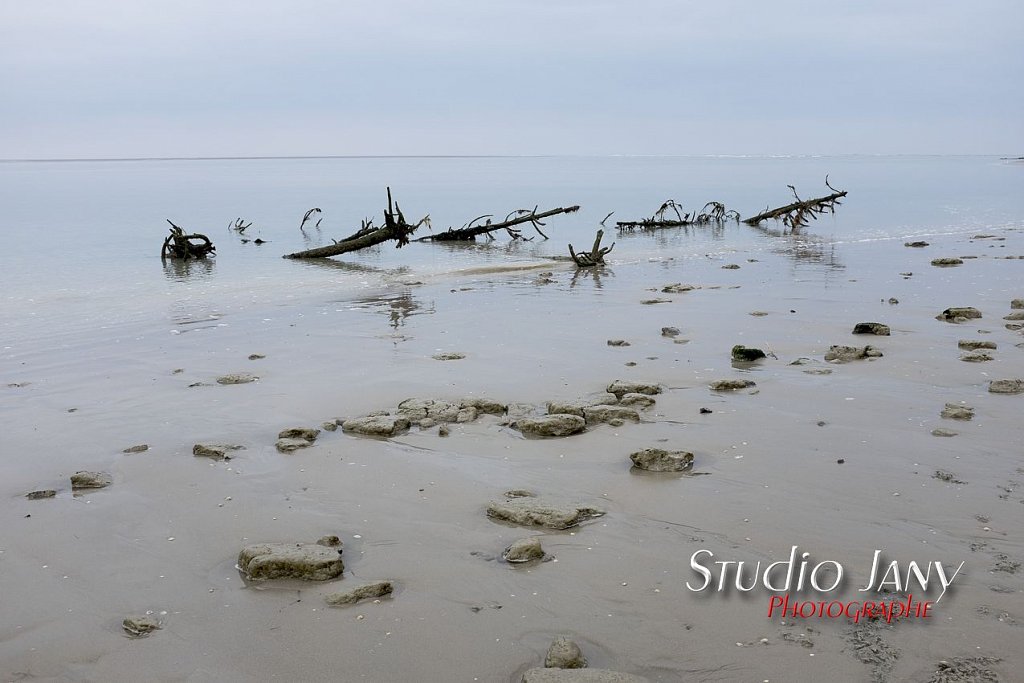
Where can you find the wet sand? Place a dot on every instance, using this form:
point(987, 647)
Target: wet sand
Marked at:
point(164, 537)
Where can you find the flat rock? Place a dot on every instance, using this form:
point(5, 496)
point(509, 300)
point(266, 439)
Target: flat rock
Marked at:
point(974, 345)
point(559, 424)
point(307, 433)
point(731, 384)
point(944, 432)
point(290, 445)
point(955, 411)
point(1016, 315)
point(564, 654)
point(485, 405)
point(731, 266)
point(579, 676)
point(670, 332)
point(538, 512)
point(217, 451)
point(237, 378)
point(523, 550)
point(307, 561)
point(678, 288)
point(89, 480)
point(618, 342)
point(742, 353)
point(915, 244)
point(818, 371)
point(1006, 386)
point(660, 460)
point(872, 328)
point(449, 355)
point(140, 448)
point(947, 261)
point(376, 425)
point(959, 314)
point(256, 356)
point(370, 591)
point(429, 408)
point(650, 302)
point(603, 414)
point(139, 627)
point(976, 357)
point(638, 400)
point(844, 354)
point(620, 387)
point(40, 495)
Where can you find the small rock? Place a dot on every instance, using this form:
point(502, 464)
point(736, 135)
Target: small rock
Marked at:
point(141, 448)
point(237, 378)
point(844, 354)
point(290, 445)
point(1017, 303)
point(731, 384)
point(976, 357)
point(427, 423)
point(256, 356)
point(742, 353)
point(329, 426)
point(217, 451)
point(466, 415)
point(307, 561)
point(678, 288)
point(443, 430)
point(139, 627)
point(330, 541)
point(579, 676)
point(649, 302)
point(618, 342)
point(731, 266)
point(943, 262)
point(536, 512)
point(639, 400)
point(602, 414)
point(1006, 386)
point(564, 654)
point(944, 432)
point(818, 371)
point(39, 495)
point(523, 550)
point(306, 433)
point(915, 244)
point(959, 314)
point(758, 314)
point(947, 477)
point(519, 493)
point(620, 387)
point(954, 411)
point(893, 300)
point(659, 460)
point(89, 480)
point(449, 355)
point(551, 425)
point(669, 331)
point(1016, 315)
point(376, 425)
point(871, 328)
point(485, 405)
point(371, 590)
point(972, 345)
point(705, 411)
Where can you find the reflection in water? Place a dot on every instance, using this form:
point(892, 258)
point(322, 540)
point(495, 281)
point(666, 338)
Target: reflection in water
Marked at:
point(350, 267)
point(180, 270)
point(803, 248)
point(664, 237)
point(397, 308)
point(595, 274)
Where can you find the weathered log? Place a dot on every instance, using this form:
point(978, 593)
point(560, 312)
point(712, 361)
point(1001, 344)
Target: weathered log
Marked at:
point(596, 255)
point(179, 245)
point(395, 228)
point(713, 212)
point(470, 232)
point(796, 215)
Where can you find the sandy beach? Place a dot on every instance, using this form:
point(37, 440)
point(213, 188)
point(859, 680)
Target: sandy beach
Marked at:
point(838, 459)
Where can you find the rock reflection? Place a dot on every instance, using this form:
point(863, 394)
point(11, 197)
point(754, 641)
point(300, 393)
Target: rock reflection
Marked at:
point(179, 270)
point(397, 307)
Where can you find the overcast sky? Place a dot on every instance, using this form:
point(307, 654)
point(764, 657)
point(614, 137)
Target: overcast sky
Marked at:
point(106, 78)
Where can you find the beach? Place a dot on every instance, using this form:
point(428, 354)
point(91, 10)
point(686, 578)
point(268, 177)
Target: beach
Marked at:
point(105, 348)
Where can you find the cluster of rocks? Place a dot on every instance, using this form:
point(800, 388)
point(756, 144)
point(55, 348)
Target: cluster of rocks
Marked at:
point(845, 354)
point(294, 438)
point(424, 412)
point(959, 314)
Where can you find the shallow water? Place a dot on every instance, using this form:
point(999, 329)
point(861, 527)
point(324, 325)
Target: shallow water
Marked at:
point(94, 328)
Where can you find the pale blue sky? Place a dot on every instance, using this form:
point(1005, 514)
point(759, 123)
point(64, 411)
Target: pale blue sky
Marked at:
point(99, 78)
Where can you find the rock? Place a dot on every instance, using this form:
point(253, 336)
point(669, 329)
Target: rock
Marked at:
point(944, 432)
point(844, 354)
point(731, 384)
point(237, 378)
point(976, 357)
point(640, 400)
point(1014, 326)
point(329, 426)
point(678, 288)
point(256, 356)
point(330, 541)
point(972, 345)
point(565, 408)
point(519, 493)
point(618, 342)
point(370, 590)
point(601, 414)
point(89, 480)
point(659, 460)
point(670, 332)
point(620, 387)
point(139, 627)
point(523, 550)
point(449, 355)
point(947, 477)
point(537, 512)
point(758, 314)
point(742, 353)
point(466, 415)
point(959, 314)
point(943, 262)
point(485, 405)
point(1006, 386)
point(443, 430)
point(141, 448)
point(915, 244)
point(649, 302)
point(1017, 315)
point(954, 411)
point(871, 328)
point(217, 451)
point(893, 300)
point(376, 425)
point(818, 371)
point(564, 654)
point(428, 408)
point(579, 676)
point(731, 266)
point(39, 495)
point(306, 561)
point(289, 445)
point(1017, 303)
point(560, 424)
point(306, 433)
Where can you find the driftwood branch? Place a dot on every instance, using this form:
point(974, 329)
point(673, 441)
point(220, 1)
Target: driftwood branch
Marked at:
point(179, 245)
point(596, 255)
point(801, 212)
point(395, 228)
point(308, 216)
point(470, 232)
point(713, 212)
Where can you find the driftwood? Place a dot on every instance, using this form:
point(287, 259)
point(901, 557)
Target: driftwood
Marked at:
point(596, 255)
point(395, 228)
point(800, 212)
point(308, 216)
point(470, 232)
point(713, 212)
point(179, 245)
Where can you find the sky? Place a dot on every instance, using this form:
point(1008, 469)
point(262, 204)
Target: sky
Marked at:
point(197, 78)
